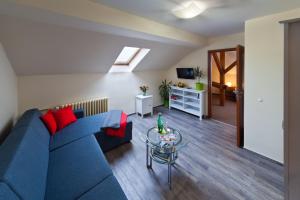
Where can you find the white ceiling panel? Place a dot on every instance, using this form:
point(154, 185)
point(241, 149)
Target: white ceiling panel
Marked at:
point(42, 48)
point(222, 16)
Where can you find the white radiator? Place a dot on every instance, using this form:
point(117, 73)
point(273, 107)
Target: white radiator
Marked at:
point(90, 107)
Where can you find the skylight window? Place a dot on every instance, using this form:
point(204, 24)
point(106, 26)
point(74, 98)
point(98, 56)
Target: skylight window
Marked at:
point(127, 55)
point(128, 59)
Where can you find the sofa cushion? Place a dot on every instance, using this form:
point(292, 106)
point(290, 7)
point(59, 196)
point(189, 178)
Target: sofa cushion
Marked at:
point(79, 113)
point(90, 125)
point(82, 127)
point(64, 117)
point(108, 189)
point(31, 118)
point(7, 193)
point(50, 122)
point(118, 132)
point(76, 168)
point(26, 118)
point(24, 157)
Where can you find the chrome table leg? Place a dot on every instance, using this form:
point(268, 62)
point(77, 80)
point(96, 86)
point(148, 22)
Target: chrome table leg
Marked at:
point(170, 175)
point(147, 154)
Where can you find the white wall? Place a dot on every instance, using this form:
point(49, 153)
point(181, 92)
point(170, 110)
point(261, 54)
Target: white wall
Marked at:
point(264, 61)
point(292, 110)
point(199, 57)
point(8, 91)
point(46, 91)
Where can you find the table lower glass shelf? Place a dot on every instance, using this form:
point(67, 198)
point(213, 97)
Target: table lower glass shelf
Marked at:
point(163, 148)
point(163, 157)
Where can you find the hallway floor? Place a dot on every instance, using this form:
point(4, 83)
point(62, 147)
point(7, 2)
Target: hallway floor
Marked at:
point(226, 113)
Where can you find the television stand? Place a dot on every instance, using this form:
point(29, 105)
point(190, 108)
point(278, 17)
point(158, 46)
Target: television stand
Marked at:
point(187, 100)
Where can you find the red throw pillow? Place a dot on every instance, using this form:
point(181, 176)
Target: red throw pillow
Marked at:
point(50, 122)
point(64, 117)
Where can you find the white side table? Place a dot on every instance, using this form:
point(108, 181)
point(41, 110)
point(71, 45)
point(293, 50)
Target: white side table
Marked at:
point(144, 104)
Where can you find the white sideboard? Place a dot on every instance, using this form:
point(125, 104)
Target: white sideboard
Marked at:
point(144, 104)
point(187, 100)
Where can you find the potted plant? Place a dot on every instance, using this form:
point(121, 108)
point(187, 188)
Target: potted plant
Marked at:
point(164, 90)
point(144, 89)
point(198, 74)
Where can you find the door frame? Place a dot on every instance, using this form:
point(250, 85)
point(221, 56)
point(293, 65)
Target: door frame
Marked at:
point(239, 90)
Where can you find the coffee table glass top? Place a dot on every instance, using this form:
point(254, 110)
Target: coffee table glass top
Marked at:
point(171, 138)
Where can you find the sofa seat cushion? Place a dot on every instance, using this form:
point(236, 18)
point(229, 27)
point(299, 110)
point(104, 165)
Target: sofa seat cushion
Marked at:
point(75, 169)
point(81, 128)
point(108, 189)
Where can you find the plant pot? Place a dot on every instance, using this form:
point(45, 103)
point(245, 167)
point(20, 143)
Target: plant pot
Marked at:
point(199, 86)
point(166, 103)
point(144, 93)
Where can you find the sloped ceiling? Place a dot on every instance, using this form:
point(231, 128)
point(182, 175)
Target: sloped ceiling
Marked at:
point(90, 15)
point(41, 48)
point(221, 18)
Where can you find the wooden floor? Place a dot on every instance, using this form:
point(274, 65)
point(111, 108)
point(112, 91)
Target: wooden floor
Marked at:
point(209, 167)
point(226, 113)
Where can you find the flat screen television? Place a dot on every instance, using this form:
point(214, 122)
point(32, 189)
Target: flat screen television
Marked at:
point(185, 73)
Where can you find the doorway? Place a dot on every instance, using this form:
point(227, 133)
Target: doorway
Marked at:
point(225, 88)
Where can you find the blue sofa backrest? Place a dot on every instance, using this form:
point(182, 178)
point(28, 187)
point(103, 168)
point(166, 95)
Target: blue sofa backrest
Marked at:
point(24, 157)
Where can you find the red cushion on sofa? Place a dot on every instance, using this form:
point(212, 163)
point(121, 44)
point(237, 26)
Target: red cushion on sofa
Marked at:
point(64, 117)
point(120, 132)
point(50, 122)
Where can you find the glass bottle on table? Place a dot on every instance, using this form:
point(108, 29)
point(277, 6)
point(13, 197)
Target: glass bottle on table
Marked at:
point(160, 123)
point(166, 128)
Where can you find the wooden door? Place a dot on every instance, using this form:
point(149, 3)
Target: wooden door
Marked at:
point(239, 64)
point(240, 96)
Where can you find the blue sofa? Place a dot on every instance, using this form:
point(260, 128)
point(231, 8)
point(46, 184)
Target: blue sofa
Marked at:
point(69, 165)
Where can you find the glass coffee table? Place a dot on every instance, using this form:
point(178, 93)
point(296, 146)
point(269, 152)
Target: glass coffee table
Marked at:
point(163, 148)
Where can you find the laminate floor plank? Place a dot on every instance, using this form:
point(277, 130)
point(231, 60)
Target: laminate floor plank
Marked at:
point(209, 167)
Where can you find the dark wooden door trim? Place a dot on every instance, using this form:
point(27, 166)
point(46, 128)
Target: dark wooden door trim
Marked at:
point(240, 88)
point(240, 96)
point(209, 85)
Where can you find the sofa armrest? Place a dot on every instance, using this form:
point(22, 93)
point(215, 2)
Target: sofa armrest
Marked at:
point(107, 142)
point(79, 113)
point(128, 130)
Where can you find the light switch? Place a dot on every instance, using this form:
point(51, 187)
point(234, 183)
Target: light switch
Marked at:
point(260, 100)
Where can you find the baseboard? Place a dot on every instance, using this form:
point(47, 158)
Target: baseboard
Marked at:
point(264, 157)
point(153, 108)
point(158, 106)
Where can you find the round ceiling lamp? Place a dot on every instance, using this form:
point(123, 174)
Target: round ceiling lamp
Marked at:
point(189, 9)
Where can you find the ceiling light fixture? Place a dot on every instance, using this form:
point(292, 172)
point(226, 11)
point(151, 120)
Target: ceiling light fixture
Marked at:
point(189, 9)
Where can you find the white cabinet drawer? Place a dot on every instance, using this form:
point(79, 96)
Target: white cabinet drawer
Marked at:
point(147, 108)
